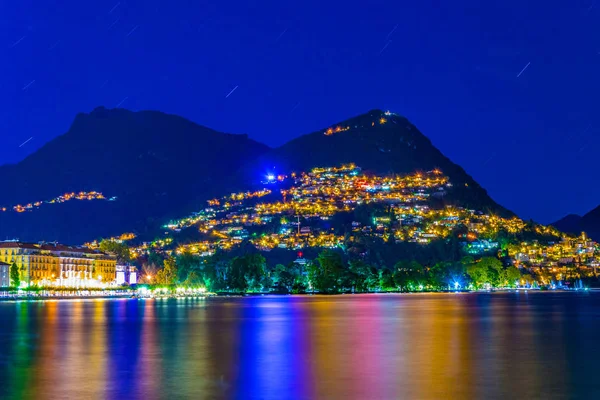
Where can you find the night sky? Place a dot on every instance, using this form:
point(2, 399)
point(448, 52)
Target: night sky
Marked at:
point(507, 89)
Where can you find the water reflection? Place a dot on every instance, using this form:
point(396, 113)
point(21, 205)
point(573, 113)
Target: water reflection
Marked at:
point(365, 346)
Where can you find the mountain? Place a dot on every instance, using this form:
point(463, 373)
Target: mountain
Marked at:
point(161, 166)
point(569, 224)
point(380, 142)
point(154, 163)
point(590, 223)
point(575, 224)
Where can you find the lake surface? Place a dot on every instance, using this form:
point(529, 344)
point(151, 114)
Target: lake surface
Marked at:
point(421, 346)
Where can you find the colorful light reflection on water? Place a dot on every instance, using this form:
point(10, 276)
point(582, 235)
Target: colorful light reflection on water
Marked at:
point(457, 346)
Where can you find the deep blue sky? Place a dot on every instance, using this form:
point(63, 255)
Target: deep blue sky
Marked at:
point(450, 67)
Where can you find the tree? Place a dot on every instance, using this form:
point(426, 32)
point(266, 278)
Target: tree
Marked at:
point(236, 277)
point(444, 275)
point(467, 261)
point(300, 284)
point(324, 272)
point(386, 279)
point(186, 262)
point(247, 272)
point(193, 279)
point(360, 274)
point(118, 249)
point(511, 275)
point(168, 274)
point(401, 279)
point(266, 283)
point(155, 259)
point(488, 270)
point(408, 275)
point(284, 278)
point(14, 275)
point(528, 279)
point(478, 274)
point(215, 271)
point(255, 272)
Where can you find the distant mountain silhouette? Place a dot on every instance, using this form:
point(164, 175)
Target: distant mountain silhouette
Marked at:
point(378, 142)
point(575, 224)
point(569, 224)
point(162, 166)
point(155, 163)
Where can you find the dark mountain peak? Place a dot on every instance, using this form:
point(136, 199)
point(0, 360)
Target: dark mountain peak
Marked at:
point(571, 217)
point(99, 109)
point(371, 118)
point(594, 214)
point(379, 141)
point(120, 115)
point(369, 115)
point(383, 127)
point(103, 112)
point(575, 224)
point(154, 163)
point(590, 223)
point(376, 113)
point(147, 131)
point(569, 224)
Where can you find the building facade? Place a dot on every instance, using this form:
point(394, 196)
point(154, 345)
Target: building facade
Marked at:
point(52, 264)
point(4, 274)
point(126, 274)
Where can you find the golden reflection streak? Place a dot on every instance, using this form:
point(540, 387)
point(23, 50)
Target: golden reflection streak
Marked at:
point(45, 377)
point(329, 362)
point(150, 357)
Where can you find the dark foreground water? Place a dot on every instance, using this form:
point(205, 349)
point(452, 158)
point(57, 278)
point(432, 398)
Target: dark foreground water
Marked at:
point(446, 346)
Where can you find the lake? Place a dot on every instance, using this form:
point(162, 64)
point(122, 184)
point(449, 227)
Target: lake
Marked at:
point(419, 346)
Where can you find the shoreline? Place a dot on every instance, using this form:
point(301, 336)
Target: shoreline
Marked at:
point(125, 296)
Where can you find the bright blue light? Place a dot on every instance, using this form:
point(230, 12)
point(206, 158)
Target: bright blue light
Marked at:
point(270, 177)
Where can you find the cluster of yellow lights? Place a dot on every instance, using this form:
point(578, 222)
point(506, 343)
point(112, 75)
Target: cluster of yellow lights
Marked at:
point(326, 191)
point(240, 196)
point(323, 192)
point(59, 199)
point(337, 129)
point(249, 195)
point(119, 239)
point(568, 250)
point(206, 223)
point(333, 170)
point(318, 194)
point(298, 241)
point(340, 128)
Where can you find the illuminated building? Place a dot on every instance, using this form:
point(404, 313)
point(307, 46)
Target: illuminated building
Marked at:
point(126, 274)
point(59, 265)
point(300, 260)
point(4, 274)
